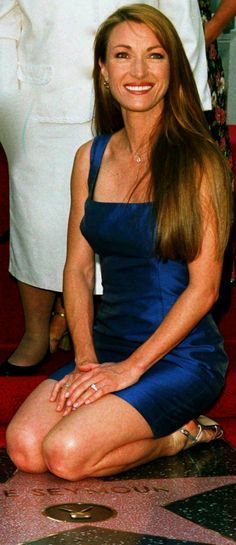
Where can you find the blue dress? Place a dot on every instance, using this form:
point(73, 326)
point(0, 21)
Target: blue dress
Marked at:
point(139, 290)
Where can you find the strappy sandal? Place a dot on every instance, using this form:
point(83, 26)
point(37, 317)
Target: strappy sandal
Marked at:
point(203, 423)
point(62, 342)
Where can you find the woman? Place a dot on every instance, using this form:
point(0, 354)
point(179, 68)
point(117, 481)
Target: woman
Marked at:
point(145, 198)
point(45, 114)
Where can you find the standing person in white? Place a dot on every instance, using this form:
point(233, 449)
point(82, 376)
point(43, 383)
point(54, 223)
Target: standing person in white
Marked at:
point(46, 105)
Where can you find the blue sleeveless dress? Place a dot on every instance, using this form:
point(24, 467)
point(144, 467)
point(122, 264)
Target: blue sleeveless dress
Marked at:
point(139, 290)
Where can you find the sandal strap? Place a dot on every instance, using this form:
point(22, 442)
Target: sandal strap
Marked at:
point(201, 427)
point(190, 436)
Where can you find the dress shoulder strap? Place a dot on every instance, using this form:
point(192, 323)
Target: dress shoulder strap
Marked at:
point(97, 150)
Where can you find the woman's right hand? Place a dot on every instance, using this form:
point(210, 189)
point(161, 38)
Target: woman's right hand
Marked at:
point(61, 389)
point(90, 382)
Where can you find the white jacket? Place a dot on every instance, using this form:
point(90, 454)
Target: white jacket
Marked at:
point(44, 48)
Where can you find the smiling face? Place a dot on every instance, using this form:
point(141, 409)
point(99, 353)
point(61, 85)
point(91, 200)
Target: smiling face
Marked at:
point(137, 68)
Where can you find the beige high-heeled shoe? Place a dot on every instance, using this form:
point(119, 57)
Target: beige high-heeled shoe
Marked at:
point(203, 423)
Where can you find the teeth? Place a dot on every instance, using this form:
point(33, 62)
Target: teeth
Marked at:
point(138, 87)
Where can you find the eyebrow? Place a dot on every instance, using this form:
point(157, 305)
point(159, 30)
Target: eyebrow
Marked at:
point(158, 46)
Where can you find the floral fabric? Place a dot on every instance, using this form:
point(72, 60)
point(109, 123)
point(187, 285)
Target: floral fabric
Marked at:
point(217, 122)
point(217, 117)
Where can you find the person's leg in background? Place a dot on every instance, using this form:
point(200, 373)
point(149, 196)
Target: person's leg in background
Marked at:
point(37, 307)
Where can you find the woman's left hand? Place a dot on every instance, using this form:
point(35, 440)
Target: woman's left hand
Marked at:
point(90, 382)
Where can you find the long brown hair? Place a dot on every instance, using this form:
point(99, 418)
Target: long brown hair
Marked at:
point(183, 150)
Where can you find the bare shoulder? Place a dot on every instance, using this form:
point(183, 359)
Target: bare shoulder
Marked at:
point(82, 157)
point(80, 171)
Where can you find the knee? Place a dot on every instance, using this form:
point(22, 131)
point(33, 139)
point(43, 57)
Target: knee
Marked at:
point(64, 458)
point(23, 449)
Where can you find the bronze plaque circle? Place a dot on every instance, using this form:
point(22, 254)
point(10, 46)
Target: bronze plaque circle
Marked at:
point(79, 512)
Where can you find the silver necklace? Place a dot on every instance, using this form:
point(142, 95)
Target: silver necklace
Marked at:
point(138, 158)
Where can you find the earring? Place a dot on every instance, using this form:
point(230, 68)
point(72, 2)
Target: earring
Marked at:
point(106, 84)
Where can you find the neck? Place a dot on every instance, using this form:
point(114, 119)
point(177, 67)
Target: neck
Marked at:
point(139, 131)
point(137, 144)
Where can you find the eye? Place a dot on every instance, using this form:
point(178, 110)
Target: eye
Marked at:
point(122, 55)
point(157, 55)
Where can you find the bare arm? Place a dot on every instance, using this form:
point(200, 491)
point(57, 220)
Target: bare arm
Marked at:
point(79, 267)
point(223, 15)
point(192, 305)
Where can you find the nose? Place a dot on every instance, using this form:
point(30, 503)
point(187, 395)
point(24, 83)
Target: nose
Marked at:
point(138, 67)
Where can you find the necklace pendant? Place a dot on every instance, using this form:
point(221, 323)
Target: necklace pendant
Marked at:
point(138, 159)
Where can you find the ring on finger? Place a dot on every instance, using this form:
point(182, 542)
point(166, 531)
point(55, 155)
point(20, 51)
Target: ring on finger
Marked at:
point(66, 385)
point(94, 387)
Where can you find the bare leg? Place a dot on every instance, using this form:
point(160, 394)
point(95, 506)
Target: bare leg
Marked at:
point(100, 439)
point(37, 305)
point(41, 439)
point(28, 428)
point(104, 438)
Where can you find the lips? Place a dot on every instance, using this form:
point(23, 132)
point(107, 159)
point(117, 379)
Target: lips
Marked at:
point(138, 88)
